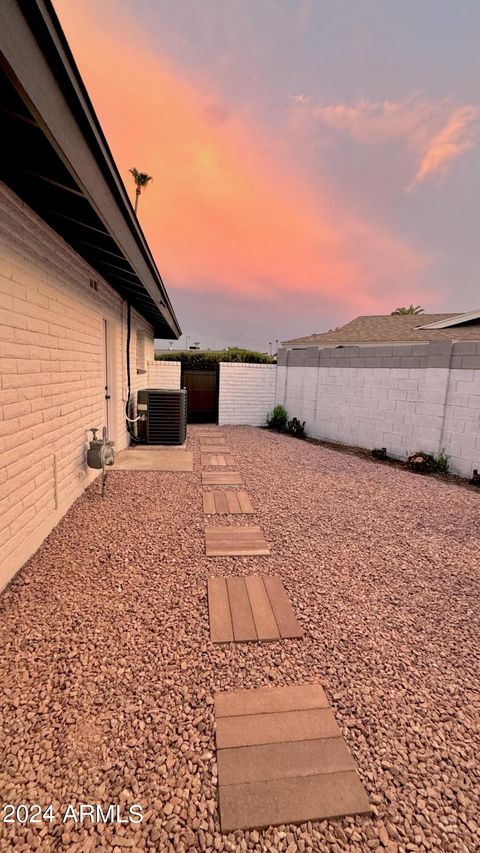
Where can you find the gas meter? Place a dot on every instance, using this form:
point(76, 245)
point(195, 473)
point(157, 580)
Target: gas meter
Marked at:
point(100, 454)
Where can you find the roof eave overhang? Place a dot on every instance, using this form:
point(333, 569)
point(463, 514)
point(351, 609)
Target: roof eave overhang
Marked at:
point(38, 62)
point(456, 320)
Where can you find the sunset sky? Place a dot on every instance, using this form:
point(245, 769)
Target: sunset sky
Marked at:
point(312, 159)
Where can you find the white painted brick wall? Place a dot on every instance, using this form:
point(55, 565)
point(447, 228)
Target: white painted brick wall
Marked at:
point(164, 374)
point(247, 393)
point(461, 427)
point(52, 376)
point(401, 409)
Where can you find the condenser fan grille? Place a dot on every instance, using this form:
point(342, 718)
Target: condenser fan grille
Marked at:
point(166, 415)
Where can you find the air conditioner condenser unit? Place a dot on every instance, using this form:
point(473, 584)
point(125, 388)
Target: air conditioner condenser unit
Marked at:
point(165, 412)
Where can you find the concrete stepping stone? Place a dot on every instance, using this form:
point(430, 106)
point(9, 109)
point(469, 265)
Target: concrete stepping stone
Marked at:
point(235, 541)
point(216, 459)
point(281, 759)
point(291, 759)
point(221, 478)
point(284, 615)
point(264, 700)
point(153, 459)
point(227, 502)
point(214, 448)
point(285, 727)
point(243, 609)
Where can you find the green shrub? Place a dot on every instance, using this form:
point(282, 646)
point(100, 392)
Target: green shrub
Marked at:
point(278, 418)
point(246, 356)
point(296, 428)
point(428, 463)
point(442, 462)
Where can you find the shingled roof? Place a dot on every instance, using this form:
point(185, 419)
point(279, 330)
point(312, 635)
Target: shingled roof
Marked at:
point(396, 328)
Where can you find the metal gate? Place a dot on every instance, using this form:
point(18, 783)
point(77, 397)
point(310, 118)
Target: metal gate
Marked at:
point(202, 383)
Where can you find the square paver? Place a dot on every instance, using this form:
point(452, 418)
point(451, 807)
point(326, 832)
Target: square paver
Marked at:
point(281, 759)
point(249, 608)
point(153, 459)
point(227, 502)
point(235, 541)
point(216, 459)
point(221, 478)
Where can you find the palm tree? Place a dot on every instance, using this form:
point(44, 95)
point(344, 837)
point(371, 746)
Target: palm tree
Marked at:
point(141, 182)
point(412, 309)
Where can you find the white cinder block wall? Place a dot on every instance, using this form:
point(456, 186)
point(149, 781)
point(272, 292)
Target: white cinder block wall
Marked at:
point(461, 427)
point(362, 407)
point(430, 403)
point(164, 374)
point(247, 393)
point(52, 373)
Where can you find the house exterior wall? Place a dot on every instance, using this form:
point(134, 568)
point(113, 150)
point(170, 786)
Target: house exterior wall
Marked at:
point(247, 393)
point(419, 397)
point(164, 374)
point(52, 375)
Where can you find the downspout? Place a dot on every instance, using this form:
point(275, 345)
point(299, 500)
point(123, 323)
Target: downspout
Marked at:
point(128, 419)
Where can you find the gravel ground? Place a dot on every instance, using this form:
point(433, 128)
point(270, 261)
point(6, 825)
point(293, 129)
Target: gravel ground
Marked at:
point(107, 674)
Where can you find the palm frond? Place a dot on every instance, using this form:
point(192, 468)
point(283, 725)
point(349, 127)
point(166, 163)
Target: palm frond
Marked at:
point(144, 179)
point(141, 178)
point(412, 309)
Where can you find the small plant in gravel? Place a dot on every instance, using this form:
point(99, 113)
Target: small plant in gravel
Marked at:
point(278, 418)
point(428, 463)
point(421, 462)
point(441, 462)
point(296, 428)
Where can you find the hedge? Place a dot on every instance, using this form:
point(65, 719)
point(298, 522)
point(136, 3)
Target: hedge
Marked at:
point(232, 354)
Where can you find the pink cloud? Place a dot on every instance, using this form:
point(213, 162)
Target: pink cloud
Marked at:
point(435, 132)
point(229, 211)
point(454, 139)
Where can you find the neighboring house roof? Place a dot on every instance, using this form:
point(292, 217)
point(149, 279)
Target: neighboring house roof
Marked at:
point(56, 158)
point(469, 317)
point(398, 328)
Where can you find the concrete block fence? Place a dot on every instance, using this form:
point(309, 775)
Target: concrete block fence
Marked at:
point(247, 393)
point(164, 374)
point(404, 398)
